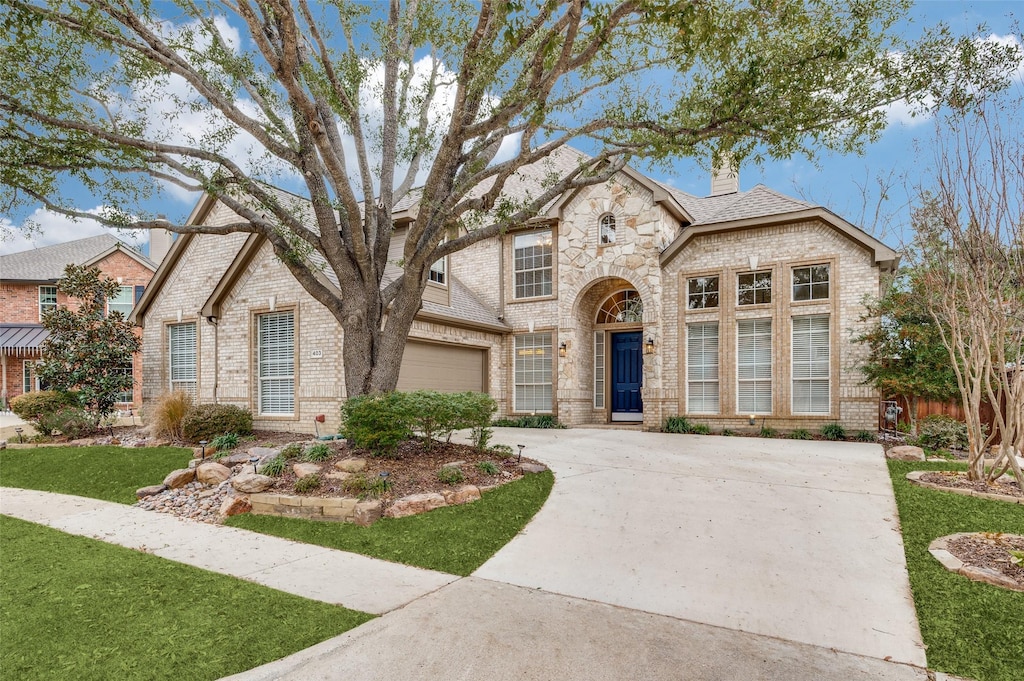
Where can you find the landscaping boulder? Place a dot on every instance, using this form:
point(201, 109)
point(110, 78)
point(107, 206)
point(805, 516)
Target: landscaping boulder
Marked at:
point(197, 452)
point(234, 459)
point(338, 476)
point(180, 477)
point(906, 453)
point(252, 483)
point(532, 467)
point(144, 492)
point(462, 495)
point(235, 506)
point(414, 504)
point(265, 453)
point(83, 442)
point(303, 469)
point(212, 473)
point(366, 513)
point(3, 444)
point(351, 465)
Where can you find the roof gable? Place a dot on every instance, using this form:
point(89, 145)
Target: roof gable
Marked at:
point(47, 263)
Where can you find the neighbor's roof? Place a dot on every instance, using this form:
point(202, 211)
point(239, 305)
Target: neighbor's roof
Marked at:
point(47, 263)
point(22, 337)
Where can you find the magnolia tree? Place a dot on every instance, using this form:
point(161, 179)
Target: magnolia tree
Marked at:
point(970, 234)
point(88, 350)
point(431, 106)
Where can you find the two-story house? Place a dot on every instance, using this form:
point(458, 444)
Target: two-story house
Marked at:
point(28, 287)
point(627, 301)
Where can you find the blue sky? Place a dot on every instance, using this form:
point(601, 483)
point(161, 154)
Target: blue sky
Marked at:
point(835, 181)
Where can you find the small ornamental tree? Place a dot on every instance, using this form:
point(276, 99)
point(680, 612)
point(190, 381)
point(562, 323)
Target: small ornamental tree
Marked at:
point(906, 354)
point(88, 350)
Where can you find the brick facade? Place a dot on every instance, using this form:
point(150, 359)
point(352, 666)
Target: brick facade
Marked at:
point(585, 272)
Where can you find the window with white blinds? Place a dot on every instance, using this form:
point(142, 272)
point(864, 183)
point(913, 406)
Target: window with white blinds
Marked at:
point(181, 353)
point(533, 367)
point(599, 370)
point(811, 365)
point(702, 368)
point(754, 366)
point(276, 361)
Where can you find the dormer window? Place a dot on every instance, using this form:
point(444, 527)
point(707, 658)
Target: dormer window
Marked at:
point(607, 229)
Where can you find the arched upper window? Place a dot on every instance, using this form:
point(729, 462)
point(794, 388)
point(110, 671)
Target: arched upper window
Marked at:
point(624, 306)
point(607, 229)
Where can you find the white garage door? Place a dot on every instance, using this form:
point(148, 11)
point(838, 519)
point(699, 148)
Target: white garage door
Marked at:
point(447, 368)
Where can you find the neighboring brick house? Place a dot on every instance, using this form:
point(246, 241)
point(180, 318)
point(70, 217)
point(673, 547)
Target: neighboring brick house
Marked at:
point(627, 301)
point(28, 287)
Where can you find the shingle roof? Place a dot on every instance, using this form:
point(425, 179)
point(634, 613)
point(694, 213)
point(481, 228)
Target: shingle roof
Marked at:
point(22, 337)
point(47, 263)
point(757, 202)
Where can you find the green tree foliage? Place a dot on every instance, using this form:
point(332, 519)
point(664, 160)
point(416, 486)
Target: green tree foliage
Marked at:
point(354, 105)
point(906, 354)
point(88, 350)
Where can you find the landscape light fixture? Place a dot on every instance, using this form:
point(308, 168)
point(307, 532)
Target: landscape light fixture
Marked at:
point(649, 346)
point(562, 349)
point(203, 443)
point(520, 453)
point(254, 460)
point(20, 438)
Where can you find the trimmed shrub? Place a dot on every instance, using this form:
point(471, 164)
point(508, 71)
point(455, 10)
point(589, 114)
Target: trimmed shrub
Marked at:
point(207, 421)
point(833, 431)
point(942, 432)
point(167, 414)
point(72, 422)
point(533, 421)
point(377, 422)
point(32, 406)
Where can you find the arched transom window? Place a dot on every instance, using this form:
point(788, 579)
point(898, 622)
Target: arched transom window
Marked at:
point(607, 229)
point(622, 307)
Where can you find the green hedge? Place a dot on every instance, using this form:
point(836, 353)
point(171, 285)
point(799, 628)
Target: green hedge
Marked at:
point(43, 403)
point(207, 421)
point(382, 421)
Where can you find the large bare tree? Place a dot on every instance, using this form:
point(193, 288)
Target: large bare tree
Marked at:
point(970, 236)
point(435, 106)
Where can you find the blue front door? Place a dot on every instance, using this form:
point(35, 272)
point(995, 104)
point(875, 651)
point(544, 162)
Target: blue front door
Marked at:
point(627, 376)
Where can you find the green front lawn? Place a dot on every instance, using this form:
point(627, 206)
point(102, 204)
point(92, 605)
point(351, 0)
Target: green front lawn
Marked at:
point(971, 629)
point(108, 473)
point(454, 539)
point(76, 608)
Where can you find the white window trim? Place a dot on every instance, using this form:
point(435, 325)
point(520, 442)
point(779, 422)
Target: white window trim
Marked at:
point(600, 377)
point(515, 381)
point(792, 367)
point(704, 381)
point(440, 267)
point(606, 236)
point(39, 299)
point(131, 301)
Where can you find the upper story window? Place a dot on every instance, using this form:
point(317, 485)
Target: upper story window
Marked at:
point(607, 229)
point(533, 264)
point(624, 306)
point(439, 271)
point(122, 302)
point(754, 288)
point(811, 283)
point(701, 293)
point(47, 299)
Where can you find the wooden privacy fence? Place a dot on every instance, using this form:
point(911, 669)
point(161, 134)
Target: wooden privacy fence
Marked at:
point(927, 408)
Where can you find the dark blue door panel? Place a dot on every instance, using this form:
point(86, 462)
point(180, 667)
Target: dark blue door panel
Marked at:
point(627, 372)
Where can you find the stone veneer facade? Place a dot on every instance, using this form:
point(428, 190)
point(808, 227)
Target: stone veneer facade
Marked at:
point(585, 274)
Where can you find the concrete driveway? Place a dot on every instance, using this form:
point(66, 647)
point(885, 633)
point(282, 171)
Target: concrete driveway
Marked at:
point(791, 539)
point(665, 557)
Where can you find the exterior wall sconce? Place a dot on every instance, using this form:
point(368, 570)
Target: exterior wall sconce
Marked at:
point(563, 349)
point(751, 419)
point(649, 346)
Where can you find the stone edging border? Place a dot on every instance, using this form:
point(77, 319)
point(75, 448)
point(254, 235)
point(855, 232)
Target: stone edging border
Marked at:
point(940, 551)
point(915, 478)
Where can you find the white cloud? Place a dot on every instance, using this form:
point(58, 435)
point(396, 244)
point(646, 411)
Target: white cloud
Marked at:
point(46, 228)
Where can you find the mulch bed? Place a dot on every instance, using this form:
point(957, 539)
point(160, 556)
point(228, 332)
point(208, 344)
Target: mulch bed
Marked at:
point(412, 470)
point(958, 480)
point(990, 551)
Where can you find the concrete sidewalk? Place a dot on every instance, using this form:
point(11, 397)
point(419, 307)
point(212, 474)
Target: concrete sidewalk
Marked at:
point(338, 577)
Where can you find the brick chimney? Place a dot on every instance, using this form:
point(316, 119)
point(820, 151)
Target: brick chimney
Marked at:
point(724, 180)
point(160, 241)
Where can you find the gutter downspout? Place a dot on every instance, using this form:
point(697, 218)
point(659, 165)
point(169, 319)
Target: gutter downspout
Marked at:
point(212, 321)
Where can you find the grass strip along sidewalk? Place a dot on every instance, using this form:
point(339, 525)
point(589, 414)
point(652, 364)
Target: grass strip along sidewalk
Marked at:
point(77, 608)
point(110, 473)
point(971, 629)
point(453, 539)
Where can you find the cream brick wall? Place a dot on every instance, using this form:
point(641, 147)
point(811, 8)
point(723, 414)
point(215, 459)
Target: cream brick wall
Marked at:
point(778, 248)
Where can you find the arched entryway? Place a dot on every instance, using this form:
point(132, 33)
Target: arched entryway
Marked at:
point(618, 355)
